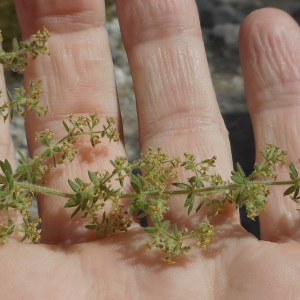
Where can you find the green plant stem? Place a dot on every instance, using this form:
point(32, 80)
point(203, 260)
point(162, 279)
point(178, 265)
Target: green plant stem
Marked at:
point(206, 190)
point(210, 190)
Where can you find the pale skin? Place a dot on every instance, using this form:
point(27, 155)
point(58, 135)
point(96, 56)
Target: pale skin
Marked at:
point(177, 112)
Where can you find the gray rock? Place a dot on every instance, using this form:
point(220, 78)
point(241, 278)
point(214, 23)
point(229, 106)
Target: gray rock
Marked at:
point(206, 12)
point(227, 14)
point(228, 32)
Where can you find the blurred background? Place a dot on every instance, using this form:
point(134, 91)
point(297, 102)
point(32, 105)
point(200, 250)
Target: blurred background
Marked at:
point(220, 21)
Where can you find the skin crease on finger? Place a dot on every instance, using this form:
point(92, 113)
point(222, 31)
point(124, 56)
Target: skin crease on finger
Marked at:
point(236, 267)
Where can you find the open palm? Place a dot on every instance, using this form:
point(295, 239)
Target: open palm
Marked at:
point(177, 112)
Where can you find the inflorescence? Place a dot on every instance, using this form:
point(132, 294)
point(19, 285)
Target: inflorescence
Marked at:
point(152, 187)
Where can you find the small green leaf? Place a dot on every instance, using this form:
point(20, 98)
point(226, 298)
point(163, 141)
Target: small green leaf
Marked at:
point(72, 202)
point(79, 181)
point(237, 179)
point(2, 166)
point(22, 159)
point(200, 205)
point(93, 177)
point(84, 203)
point(135, 187)
point(175, 230)
point(9, 96)
point(181, 185)
point(294, 174)
point(55, 148)
point(136, 183)
point(134, 207)
point(142, 204)
point(8, 167)
point(199, 183)
point(74, 186)
point(240, 170)
point(14, 63)
point(192, 179)
point(15, 45)
point(190, 199)
point(91, 226)
point(3, 194)
point(151, 229)
point(13, 205)
point(290, 190)
point(21, 169)
point(10, 180)
point(103, 218)
point(75, 212)
point(296, 192)
point(257, 168)
point(165, 225)
point(24, 45)
point(190, 208)
point(189, 202)
point(48, 152)
point(189, 167)
point(66, 126)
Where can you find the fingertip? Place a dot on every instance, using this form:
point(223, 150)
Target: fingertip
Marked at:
point(266, 22)
point(269, 19)
point(269, 49)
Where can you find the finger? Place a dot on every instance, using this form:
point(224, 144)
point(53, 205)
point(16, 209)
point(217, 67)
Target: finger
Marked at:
point(176, 102)
point(77, 79)
point(270, 55)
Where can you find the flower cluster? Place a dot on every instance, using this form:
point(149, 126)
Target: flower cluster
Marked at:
point(153, 179)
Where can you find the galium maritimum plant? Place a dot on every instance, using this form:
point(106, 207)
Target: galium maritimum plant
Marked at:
point(152, 189)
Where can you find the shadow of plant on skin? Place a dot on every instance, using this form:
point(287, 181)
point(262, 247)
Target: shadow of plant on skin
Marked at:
point(130, 247)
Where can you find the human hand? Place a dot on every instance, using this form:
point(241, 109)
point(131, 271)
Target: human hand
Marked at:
point(177, 112)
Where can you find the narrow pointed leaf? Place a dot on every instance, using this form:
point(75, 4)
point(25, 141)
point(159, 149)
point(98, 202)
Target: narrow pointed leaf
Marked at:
point(84, 203)
point(91, 226)
point(165, 225)
point(74, 186)
point(190, 198)
point(72, 202)
point(200, 205)
point(175, 229)
point(240, 170)
point(294, 174)
point(8, 167)
point(296, 192)
point(15, 45)
point(290, 190)
point(75, 212)
point(181, 185)
point(237, 179)
point(150, 229)
point(66, 126)
point(21, 169)
point(93, 177)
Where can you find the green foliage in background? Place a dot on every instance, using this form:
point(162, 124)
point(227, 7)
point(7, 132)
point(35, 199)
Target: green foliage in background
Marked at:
point(110, 9)
point(9, 24)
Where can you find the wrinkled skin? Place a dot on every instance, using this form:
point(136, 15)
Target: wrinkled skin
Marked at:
point(177, 112)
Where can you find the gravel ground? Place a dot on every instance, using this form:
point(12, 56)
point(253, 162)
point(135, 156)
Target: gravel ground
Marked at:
point(220, 21)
